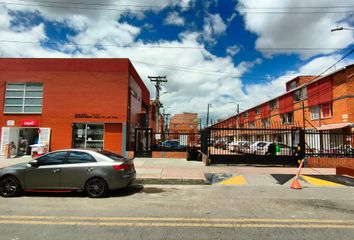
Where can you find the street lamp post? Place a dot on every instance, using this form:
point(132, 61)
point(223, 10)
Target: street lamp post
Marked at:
point(341, 28)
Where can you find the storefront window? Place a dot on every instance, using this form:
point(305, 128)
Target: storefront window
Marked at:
point(88, 135)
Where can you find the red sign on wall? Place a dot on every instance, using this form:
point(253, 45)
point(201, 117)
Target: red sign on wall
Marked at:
point(29, 123)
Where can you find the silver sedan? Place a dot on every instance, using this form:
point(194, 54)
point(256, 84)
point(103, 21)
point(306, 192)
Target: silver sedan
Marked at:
point(95, 172)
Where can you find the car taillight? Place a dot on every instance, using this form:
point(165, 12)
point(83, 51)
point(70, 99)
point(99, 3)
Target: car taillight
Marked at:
point(123, 167)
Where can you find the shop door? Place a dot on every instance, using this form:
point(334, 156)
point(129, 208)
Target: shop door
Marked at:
point(5, 138)
point(8, 135)
point(44, 136)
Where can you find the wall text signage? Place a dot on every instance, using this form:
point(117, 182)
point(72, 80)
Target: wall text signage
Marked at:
point(95, 116)
point(29, 123)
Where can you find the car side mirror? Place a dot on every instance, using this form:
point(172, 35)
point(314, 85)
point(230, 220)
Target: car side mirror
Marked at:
point(34, 163)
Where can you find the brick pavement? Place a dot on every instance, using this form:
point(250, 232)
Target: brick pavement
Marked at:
point(163, 170)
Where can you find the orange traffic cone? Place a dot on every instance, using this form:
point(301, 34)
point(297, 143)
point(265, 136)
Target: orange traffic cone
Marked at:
point(295, 184)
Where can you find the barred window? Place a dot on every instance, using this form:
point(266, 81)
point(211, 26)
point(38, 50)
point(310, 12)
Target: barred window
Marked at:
point(23, 98)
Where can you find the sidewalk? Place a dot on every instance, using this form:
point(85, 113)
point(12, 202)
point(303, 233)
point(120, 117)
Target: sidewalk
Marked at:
point(181, 171)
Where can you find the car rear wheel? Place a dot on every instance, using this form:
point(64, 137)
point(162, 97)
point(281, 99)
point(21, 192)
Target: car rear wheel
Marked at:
point(10, 187)
point(96, 188)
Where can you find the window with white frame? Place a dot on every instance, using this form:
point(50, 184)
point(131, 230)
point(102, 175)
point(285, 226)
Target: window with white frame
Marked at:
point(315, 112)
point(322, 110)
point(251, 124)
point(23, 98)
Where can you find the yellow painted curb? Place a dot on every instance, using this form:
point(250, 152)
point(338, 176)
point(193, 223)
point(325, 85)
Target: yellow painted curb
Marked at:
point(237, 180)
point(320, 182)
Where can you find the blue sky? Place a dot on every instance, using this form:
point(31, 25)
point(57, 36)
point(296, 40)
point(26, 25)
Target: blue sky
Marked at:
point(219, 52)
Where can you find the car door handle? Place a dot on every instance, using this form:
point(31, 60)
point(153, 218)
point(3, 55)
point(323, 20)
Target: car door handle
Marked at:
point(55, 170)
point(90, 169)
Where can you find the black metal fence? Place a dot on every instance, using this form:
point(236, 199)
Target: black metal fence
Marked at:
point(169, 141)
point(242, 141)
point(286, 145)
point(329, 143)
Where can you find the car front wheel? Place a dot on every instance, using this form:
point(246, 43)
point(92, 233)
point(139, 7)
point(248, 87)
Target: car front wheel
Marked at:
point(10, 187)
point(96, 188)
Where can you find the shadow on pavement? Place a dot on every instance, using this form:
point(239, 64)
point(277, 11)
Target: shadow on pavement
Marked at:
point(124, 192)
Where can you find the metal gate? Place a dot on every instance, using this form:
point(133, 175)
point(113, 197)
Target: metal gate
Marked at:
point(253, 146)
point(143, 141)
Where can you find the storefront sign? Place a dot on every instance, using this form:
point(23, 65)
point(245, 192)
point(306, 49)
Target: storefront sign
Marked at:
point(29, 123)
point(95, 115)
point(10, 122)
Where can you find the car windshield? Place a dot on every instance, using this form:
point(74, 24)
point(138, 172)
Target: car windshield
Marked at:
point(111, 155)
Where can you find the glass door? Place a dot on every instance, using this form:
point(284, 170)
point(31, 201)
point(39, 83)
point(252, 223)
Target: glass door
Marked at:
point(88, 135)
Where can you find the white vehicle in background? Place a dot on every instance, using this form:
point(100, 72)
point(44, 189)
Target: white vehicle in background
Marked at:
point(257, 146)
point(239, 146)
point(265, 148)
point(232, 145)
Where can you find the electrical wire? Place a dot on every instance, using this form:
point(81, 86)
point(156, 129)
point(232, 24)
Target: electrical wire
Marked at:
point(152, 8)
point(165, 47)
point(160, 6)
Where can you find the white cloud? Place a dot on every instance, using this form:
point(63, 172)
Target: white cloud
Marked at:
point(214, 26)
point(4, 18)
point(258, 93)
point(195, 78)
point(233, 50)
point(174, 18)
point(289, 30)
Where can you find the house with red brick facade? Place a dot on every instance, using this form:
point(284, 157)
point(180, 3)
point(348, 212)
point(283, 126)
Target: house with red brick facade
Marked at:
point(310, 102)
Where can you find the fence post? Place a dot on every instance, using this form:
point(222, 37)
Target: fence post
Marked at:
point(302, 144)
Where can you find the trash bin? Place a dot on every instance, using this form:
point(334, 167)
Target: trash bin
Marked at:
point(38, 149)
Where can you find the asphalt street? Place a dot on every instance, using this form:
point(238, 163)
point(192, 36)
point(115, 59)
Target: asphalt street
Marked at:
point(183, 212)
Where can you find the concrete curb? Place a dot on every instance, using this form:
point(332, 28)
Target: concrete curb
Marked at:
point(171, 181)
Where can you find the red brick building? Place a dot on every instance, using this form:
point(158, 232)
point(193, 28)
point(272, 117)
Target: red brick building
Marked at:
point(185, 123)
point(81, 103)
point(322, 103)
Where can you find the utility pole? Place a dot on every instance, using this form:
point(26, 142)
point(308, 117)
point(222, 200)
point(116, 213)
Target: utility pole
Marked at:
point(158, 80)
point(166, 116)
point(207, 121)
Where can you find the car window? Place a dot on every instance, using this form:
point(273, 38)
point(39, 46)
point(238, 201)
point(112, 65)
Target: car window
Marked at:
point(52, 158)
point(112, 155)
point(80, 157)
point(261, 144)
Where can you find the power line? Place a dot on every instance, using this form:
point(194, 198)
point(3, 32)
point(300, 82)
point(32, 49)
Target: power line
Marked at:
point(160, 6)
point(201, 71)
point(151, 8)
point(341, 59)
point(165, 47)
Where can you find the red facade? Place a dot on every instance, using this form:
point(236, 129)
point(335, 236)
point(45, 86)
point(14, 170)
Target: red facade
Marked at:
point(320, 92)
point(79, 91)
point(286, 103)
